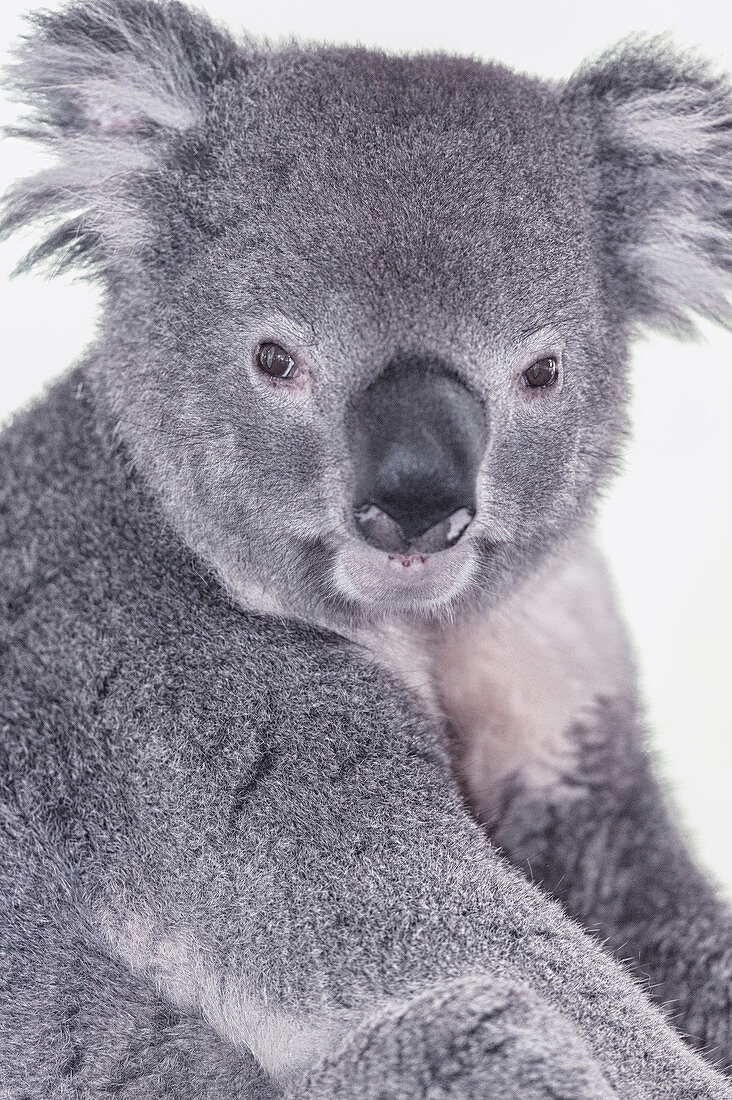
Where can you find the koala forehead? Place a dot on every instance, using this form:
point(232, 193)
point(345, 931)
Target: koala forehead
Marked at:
point(399, 180)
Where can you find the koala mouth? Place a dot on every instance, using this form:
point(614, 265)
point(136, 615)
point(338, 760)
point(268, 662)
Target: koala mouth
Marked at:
point(383, 532)
point(393, 583)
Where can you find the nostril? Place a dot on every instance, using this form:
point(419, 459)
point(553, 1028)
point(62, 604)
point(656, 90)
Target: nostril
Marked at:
point(445, 533)
point(382, 531)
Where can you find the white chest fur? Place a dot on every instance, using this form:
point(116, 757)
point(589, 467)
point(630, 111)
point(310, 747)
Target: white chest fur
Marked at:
point(511, 684)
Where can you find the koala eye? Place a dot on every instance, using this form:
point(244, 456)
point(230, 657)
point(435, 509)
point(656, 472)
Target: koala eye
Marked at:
point(541, 373)
point(276, 362)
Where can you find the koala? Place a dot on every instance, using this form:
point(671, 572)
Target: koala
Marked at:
point(324, 772)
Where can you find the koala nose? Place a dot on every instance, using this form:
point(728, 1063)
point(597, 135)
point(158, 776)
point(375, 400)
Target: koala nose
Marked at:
point(417, 437)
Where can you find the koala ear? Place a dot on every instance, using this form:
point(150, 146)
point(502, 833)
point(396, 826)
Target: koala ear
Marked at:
point(656, 128)
point(110, 85)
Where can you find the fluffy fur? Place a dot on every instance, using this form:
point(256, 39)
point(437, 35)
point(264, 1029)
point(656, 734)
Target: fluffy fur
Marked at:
point(253, 844)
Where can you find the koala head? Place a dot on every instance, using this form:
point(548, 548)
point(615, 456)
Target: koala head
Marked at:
point(366, 317)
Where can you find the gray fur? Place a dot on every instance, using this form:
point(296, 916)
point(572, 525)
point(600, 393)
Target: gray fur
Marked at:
point(236, 858)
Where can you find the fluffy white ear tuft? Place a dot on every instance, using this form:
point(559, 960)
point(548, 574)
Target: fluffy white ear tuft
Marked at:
point(111, 86)
point(657, 127)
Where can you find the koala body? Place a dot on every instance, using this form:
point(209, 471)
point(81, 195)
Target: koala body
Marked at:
point(324, 764)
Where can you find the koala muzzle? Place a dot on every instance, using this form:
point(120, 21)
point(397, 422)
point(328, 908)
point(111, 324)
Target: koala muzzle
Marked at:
point(417, 437)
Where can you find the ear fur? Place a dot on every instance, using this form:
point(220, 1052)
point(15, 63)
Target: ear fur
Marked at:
point(109, 83)
point(657, 129)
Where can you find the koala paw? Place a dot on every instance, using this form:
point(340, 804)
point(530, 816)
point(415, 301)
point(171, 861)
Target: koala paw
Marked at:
point(465, 1040)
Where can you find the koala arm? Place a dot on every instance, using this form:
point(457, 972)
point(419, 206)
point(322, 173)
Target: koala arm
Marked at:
point(304, 894)
point(301, 887)
point(477, 1036)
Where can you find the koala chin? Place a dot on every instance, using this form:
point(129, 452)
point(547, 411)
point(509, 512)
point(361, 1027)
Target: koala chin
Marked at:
point(323, 772)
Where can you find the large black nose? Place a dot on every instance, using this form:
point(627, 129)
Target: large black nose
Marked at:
point(417, 436)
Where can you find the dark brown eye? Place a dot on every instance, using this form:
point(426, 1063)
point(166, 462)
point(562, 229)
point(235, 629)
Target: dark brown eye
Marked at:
point(542, 373)
point(276, 362)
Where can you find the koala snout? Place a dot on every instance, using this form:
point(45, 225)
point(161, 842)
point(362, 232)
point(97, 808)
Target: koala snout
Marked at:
point(417, 436)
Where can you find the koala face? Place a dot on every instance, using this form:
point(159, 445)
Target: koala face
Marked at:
point(367, 316)
point(391, 384)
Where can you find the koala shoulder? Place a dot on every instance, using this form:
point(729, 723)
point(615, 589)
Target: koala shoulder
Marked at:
point(102, 603)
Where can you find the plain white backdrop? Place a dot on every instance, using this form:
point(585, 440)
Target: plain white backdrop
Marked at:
point(667, 525)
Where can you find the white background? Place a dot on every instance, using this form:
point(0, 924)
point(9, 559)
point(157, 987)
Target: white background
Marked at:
point(667, 526)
